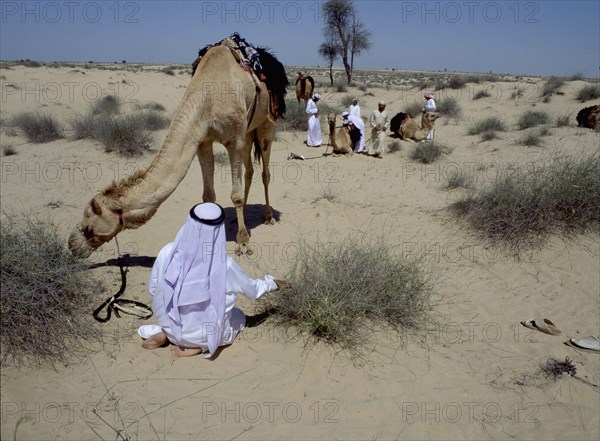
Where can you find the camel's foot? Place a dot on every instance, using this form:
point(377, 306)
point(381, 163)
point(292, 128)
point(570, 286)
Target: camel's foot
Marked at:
point(241, 247)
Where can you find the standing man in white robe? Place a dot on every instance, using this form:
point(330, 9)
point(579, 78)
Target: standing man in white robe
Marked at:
point(314, 138)
point(429, 107)
point(354, 108)
point(194, 286)
point(379, 124)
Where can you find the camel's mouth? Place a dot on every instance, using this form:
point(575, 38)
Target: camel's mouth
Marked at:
point(79, 245)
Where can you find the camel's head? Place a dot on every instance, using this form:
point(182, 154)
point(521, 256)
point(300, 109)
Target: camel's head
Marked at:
point(430, 117)
point(98, 226)
point(301, 75)
point(331, 117)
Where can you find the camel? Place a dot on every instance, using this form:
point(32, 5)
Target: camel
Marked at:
point(589, 117)
point(222, 103)
point(408, 129)
point(340, 140)
point(304, 87)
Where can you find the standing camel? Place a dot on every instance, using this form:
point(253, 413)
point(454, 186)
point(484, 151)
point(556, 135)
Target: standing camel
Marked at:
point(304, 87)
point(222, 103)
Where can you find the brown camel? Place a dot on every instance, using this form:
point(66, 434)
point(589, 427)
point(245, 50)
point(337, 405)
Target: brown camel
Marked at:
point(304, 87)
point(411, 131)
point(222, 103)
point(589, 117)
point(340, 139)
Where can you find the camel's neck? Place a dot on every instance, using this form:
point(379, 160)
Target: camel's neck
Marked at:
point(141, 195)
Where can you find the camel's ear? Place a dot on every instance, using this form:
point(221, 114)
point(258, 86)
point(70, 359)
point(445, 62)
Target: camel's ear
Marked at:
point(96, 207)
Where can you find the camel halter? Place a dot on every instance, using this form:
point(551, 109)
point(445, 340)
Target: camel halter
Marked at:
point(115, 304)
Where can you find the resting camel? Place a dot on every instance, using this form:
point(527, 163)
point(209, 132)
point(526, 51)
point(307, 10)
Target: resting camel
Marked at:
point(222, 103)
point(589, 117)
point(408, 129)
point(304, 86)
point(340, 139)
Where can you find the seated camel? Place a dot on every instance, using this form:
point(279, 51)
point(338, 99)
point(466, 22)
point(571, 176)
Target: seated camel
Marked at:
point(589, 117)
point(407, 128)
point(340, 139)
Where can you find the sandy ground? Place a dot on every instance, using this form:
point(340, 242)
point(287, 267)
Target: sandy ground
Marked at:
point(475, 378)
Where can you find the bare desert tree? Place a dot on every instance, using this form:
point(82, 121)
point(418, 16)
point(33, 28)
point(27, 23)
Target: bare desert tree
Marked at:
point(346, 31)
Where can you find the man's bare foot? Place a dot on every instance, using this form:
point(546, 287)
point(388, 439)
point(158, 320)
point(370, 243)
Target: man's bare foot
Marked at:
point(155, 341)
point(178, 351)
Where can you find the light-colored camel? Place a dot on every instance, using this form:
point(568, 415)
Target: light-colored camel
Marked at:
point(222, 103)
point(304, 87)
point(411, 131)
point(340, 139)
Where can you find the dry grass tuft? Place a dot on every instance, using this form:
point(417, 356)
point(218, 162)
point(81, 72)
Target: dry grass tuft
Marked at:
point(45, 297)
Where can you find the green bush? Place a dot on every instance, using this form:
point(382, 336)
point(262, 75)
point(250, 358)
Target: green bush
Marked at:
point(427, 152)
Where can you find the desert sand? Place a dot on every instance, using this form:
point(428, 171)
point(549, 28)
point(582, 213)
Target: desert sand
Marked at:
point(472, 377)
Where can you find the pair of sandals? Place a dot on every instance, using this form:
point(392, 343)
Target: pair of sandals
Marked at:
point(589, 343)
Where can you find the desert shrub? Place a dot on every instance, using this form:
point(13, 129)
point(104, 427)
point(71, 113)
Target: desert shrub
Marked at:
point(427, 152)
point(531, 139)
point(449, 108)
point(394, 147)
point(122, 135)
point(362, 87)
point(346, 101)
point(340, 87)
point(521, 208)
point(490, 124)
point(532, 118)
point(152, 120)
point(332, 298)
point(151, 106)
point(295, 118)
point(562, 121)
point(413, 109)
point(38, 128)
point(45, 294)
point(577, 76)
point(482, 94)
point(109, 105)
point(551, 86)
point(222, 158)
point(84, 127)
point(459, 179)
point(168, 71)
point(8, 150)
point(588, 92)
point(489, 135)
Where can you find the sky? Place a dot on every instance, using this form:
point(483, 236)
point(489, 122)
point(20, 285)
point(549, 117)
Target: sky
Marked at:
point(520, 37)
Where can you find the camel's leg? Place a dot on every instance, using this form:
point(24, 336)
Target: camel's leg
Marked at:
point(249, 173)
point(236, 149)
point(207, 165)
point(266, 134)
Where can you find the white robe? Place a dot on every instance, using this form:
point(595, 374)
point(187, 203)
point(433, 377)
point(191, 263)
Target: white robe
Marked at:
point(354, 110)
point(429, 107)
point(379, 124)
point(314, 138)
point(360, 125)
point(194, 332)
